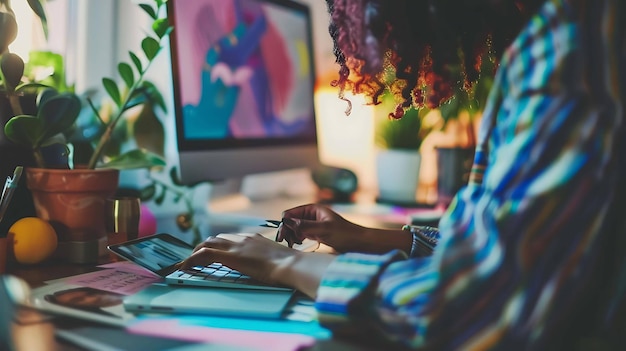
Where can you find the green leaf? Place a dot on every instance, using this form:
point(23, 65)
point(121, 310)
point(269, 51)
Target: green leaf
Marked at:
point(25, 130)
point(56, 139)
point(168, 31)
point(46, 95)
point(148, 192)
point(38, 60)
point(450, 109)
point(149, 10)
point(405, 133)
point(174, 176)
point(161, 197)
point(161, 27)
point(151, 94)
point(12, 70)
point(28, 86)
point(127, 73)
point(38, 9)
point(111, 87)
point(136, 100)
point(135, 159)
point(59, 113)
point(150, 47)
point(136, 61)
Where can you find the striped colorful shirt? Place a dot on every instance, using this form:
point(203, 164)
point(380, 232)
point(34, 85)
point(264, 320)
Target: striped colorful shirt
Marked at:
point(532, 250)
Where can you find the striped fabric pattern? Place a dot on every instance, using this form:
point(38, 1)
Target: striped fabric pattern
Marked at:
point(521, 243)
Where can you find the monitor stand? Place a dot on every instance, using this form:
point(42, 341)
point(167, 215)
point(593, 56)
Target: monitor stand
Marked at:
point(226, 196)
point(257, 197)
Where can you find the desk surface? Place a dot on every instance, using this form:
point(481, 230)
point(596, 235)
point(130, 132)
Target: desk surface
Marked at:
point(36, 275)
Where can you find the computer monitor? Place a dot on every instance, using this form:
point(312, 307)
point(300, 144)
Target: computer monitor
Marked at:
point(243, 87)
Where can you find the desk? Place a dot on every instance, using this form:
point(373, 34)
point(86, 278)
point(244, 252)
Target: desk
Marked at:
point(35, 276)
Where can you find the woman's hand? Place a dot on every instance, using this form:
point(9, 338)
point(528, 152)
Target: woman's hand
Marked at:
point(263, 260)
point(254, 255)
point(318, 222)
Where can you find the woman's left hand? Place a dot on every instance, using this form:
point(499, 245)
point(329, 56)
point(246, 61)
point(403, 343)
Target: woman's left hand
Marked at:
point(254, 255)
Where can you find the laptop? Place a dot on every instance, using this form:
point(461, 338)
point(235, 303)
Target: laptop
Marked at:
point(211, 290)
point(225, 302)
point(160, 253)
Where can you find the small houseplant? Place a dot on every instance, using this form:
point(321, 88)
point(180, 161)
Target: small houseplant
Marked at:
point(57, 112)
point(59, 189)
point(398, 158)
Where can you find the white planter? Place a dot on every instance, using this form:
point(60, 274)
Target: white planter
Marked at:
point(398, 175)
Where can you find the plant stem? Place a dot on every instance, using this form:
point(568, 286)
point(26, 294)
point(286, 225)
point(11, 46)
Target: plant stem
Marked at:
point(14, 100)
point(106, 136)
point(197, 236)
point(39, 158)
point(182, 194)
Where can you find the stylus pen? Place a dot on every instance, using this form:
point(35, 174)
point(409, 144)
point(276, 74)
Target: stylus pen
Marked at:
point(271, 223)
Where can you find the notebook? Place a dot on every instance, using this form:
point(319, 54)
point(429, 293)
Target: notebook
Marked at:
point(160, 253)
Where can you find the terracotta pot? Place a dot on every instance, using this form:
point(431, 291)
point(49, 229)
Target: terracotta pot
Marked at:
point(73, 202)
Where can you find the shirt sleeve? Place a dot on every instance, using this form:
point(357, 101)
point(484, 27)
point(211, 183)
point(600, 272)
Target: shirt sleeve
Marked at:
point(360, 292)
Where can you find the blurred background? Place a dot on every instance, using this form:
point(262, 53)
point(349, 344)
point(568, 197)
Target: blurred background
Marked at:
point(94, 35)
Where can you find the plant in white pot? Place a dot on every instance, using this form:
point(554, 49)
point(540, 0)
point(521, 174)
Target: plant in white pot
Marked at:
point(60, 189)
point(398, 158)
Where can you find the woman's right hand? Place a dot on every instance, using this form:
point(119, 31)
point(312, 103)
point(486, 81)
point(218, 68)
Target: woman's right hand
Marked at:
point(320, 223)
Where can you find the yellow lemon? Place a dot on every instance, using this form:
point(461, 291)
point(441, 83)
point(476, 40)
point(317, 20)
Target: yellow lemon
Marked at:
point(34, 240)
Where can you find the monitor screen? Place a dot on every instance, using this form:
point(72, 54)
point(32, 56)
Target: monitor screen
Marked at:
point(243, 87)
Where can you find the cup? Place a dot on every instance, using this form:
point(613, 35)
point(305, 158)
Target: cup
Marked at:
point(122, 219)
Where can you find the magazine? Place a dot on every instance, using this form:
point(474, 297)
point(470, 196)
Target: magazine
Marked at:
point(95, 296)
point(96, 305)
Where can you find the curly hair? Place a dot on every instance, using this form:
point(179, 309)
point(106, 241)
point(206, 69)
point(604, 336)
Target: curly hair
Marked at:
point(422, 51)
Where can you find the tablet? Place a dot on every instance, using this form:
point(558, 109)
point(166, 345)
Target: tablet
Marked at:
point(160, 254)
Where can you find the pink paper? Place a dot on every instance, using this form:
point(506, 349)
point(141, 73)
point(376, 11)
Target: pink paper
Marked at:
point(119, 281)
point(126, 266)
point(262, 341)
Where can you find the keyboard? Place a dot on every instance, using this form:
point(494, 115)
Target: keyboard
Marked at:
point(217, 275)
point(215, 271)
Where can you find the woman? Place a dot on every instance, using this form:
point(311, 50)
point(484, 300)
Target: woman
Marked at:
point(530, 252)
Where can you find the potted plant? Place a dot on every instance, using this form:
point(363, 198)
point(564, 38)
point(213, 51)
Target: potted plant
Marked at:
point(398, 158)
point(59, 187)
